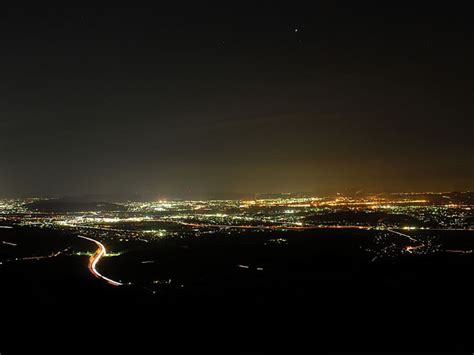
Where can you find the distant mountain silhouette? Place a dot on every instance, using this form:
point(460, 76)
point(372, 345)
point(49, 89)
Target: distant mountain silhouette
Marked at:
point(72, 205)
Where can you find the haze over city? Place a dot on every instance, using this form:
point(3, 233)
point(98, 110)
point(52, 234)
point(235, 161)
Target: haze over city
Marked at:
point(236, 98)
point(237, 177)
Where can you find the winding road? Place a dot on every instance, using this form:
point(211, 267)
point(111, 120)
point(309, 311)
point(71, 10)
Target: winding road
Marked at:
point(94, 260)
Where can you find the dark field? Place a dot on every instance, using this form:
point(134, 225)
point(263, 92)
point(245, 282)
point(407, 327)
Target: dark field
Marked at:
point(320, 282)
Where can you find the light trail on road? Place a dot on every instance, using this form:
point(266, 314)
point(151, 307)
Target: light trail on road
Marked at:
point(40, 257)
point(94, 260)
point(260, 227)
point(403, 235)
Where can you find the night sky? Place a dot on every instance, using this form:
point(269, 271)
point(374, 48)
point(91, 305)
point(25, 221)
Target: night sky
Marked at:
point(236, 97)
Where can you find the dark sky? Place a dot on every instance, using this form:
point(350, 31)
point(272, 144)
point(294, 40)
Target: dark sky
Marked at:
point(241, 97)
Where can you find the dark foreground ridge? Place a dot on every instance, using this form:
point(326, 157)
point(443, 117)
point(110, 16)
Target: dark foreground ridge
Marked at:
point(324, 299)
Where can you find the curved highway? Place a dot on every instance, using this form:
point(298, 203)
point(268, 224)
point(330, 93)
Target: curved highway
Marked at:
point(94, 260)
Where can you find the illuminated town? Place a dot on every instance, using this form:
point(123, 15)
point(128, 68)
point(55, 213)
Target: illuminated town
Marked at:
point(398, 225)
point(302, 171)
